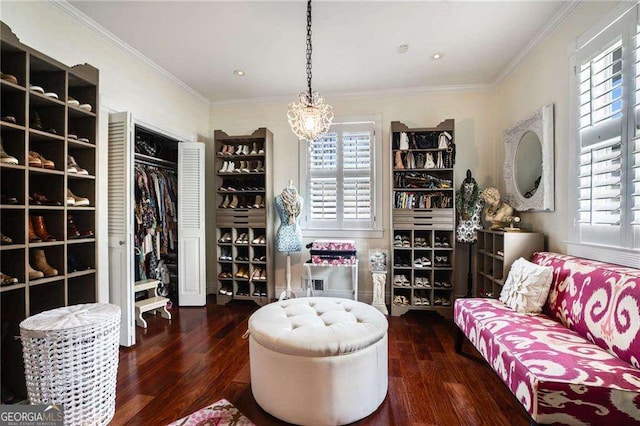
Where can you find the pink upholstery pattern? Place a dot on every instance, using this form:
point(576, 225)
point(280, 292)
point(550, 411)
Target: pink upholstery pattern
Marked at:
point(599, 301)
point(557, 375)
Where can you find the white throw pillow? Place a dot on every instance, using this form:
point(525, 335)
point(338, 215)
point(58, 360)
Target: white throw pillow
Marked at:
point(527, 286)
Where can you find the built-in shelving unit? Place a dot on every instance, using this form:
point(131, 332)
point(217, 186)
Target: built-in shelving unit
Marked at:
point(57, 124)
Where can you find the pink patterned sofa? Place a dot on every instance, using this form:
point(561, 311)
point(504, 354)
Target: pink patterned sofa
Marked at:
point(579, 361)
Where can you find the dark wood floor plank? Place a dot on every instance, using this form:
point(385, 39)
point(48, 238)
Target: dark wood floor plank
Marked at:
point(199, 357)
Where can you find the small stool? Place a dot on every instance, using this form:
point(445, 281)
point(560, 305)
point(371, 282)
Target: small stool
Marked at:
point(318, 360)
point(71, 359)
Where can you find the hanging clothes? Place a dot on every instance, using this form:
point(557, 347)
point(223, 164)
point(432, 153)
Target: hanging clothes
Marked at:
point(156, 216)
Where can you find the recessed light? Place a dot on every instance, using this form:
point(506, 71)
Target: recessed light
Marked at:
point(437, 55)
point(403, 48)
point(239, 73)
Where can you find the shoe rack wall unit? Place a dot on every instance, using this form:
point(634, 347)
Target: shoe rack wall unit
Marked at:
point(423, 216)
point(238, 192)
point(497, 250)
point(188, 275)
point(74, 257)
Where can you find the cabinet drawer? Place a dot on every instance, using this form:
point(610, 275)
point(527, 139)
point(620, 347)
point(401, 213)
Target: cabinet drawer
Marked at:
point(424, 219)
point(241, 217)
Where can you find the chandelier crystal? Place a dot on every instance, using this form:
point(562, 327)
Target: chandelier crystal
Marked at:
point(310, 118)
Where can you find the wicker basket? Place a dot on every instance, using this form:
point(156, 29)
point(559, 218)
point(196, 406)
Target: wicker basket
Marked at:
point(71, 358)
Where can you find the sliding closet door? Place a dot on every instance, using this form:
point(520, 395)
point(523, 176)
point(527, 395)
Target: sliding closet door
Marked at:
point(191, 231)
point(121, 221)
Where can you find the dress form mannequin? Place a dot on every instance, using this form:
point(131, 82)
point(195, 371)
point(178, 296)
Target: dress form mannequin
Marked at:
point(289, 236)
point(469, 207)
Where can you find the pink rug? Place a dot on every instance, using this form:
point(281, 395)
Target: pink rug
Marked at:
point(221, 413)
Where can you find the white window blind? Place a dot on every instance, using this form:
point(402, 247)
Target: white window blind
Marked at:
point(340, 178)
point(607, 79)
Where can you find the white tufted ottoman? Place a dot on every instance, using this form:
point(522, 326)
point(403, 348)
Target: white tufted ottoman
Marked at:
point(318, 360)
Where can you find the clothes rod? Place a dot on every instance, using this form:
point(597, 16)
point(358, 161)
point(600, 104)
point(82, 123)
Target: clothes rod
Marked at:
point(151, 161)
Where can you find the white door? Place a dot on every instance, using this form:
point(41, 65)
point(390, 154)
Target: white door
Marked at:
point(121, 222)
point(191, 232)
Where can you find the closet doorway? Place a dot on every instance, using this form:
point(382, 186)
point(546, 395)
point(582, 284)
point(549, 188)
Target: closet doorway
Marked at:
point(156, 223)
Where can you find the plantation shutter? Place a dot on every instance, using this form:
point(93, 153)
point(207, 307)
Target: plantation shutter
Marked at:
point(340, 184)
point(634, 147)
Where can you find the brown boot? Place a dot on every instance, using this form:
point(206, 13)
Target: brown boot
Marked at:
point(40, 263)
point(33, 238)
point(41, 229)
point(399, 164)
point(33, 274)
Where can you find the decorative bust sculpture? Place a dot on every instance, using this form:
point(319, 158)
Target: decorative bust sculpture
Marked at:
point(496, 211)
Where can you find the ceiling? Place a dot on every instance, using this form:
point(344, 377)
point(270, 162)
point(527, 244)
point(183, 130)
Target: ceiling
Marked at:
point(354, 43)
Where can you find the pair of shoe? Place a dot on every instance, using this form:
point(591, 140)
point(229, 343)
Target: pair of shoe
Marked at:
point(226, 238)
point(422, 282)
point(41, 267)
point(421, 262)
point(401, 281)
point(73, 232)
point(8, 200)
point(6, 158)
point(242, 258)
point(242, 273)
point(259, 259)
point(400, 300)
point(37, 160)
point(259, 240)
point(4, 239)
point(7, 280)
point(226, 291)
point(402, 262)
point(243, 238)
point(74, 264)
point(243, 290)
point(75, 103)
point(444, 242)
point(225, 255)
point(225, 275)
point(39, 199)
point(238, 150)
point(38, 231)
point(421, 298)
point(40, 90)
point(259, 290)
point(442, 284)
point(73, 167)
point(76, 201)
point(442, 301)
point(232, 202)
point(9, 77)
point(442, 261)
point(258, 274)
point(421, 242)
point(401, 241)
point(233, 185)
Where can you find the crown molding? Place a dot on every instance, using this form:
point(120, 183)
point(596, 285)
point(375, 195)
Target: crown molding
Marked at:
point(405, 91)
point(536, 41)
point(83, 19)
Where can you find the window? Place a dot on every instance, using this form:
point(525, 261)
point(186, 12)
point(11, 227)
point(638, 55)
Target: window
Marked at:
point(339, 178)
point(606, 152)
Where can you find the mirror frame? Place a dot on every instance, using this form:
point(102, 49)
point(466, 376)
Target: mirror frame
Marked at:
point(540, 123)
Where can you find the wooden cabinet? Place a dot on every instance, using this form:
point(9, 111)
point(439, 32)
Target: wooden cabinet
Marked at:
point(244, 230)
point(48, 179)
point(423, 217)
point(497, 250)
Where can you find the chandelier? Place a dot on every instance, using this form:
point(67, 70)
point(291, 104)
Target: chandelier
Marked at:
point(310, 118)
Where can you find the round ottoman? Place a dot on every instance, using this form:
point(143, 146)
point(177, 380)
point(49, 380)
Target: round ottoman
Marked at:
point(318, 360)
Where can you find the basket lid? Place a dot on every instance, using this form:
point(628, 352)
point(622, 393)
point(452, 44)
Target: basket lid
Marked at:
point(70, 317)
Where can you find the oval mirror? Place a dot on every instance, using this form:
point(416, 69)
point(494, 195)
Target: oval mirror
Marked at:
point(528, 164)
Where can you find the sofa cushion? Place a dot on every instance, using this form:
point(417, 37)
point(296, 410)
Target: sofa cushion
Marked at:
point(557, 375)
point(527, 286)
point(599, 301)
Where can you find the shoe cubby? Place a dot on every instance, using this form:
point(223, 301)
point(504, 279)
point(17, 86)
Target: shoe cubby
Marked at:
point(13, 104)
point(81, 258)
point(83, 188)
point(81, 128)
point(81, 290)
point(84, 222)
point(244, 197)
point(422, 214)
point(46, 296)
point(36, 113)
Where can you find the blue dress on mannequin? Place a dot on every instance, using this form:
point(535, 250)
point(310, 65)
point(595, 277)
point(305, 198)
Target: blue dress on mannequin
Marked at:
point(289, 235)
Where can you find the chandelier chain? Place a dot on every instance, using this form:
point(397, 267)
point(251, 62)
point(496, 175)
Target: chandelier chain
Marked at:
point(309, 47)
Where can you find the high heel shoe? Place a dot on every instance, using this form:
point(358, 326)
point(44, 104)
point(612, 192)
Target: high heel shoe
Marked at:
point(411, 162)
point(224, 168)
point(244, 167)
point(254, 151)
point(225, 202)
point(259, 167)
point(238, 150)
point(234, 203)
point(231, 167)
point(258, 202)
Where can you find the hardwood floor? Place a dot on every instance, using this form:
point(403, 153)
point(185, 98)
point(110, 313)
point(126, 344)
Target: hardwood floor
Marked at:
point(200, 357)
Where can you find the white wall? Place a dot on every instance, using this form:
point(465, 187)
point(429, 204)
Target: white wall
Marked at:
point(126, 84)
point(543, 78)
point(475, 150)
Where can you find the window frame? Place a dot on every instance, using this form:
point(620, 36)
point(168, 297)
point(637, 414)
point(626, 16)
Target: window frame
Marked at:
point(338, 228)
point(615, 244)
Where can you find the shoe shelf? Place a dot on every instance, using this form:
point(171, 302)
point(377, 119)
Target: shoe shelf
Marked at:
point(34, 170)
point(423, 218)
point(497, 250)
point(244, 197)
